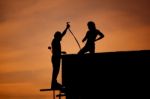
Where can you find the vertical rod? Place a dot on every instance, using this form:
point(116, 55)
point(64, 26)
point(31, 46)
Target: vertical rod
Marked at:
point(59, 94)
point(53, 94)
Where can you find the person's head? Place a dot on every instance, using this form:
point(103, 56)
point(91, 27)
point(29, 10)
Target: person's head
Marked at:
point(57, 35)
point(91, 25)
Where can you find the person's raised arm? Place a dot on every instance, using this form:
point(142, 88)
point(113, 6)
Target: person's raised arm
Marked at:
point(101, 35)
point(64, 32)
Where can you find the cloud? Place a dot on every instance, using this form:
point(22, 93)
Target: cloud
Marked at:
point(22, 91)
point(21, 76)
point(18, 96)
point(9, 9)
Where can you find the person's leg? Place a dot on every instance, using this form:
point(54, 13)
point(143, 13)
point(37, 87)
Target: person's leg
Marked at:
point(83, 50)
point(92, 49)
point(56, 68)
point(55, 72)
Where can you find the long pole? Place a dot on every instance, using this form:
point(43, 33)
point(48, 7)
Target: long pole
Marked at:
point(74, 37)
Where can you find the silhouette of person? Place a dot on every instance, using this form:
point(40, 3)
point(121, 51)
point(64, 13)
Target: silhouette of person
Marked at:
point(90, 38)
point(56, 57)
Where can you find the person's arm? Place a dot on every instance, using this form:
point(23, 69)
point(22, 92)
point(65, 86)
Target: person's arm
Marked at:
point(85, 37)
point(64, 32)
point(101, 35)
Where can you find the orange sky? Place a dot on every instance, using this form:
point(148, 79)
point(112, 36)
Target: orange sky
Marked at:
point(27, 28)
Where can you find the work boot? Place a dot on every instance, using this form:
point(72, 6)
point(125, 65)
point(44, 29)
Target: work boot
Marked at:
point(63, 89)
point(56, 86)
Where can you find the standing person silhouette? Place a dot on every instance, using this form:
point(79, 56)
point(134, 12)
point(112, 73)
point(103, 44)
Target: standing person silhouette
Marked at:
point(56, 56)
point(90, 38)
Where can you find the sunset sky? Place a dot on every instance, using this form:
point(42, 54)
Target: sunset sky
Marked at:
point(27, 28)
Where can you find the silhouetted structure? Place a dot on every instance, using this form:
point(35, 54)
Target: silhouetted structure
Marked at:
point(56, 56)
point(90, 38)
point(109, 74)
point(61, 92)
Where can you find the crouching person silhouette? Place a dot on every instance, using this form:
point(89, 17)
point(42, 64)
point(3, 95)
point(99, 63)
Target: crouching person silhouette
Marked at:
point(56, 56)
point(90, 38)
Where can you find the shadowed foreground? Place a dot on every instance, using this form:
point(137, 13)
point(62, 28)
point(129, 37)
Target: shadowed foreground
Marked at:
point(109, 74)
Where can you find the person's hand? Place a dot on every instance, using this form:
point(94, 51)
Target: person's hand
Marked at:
point(68, 26)
point(63, 52)
point(83, 40)
point(49, 47)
